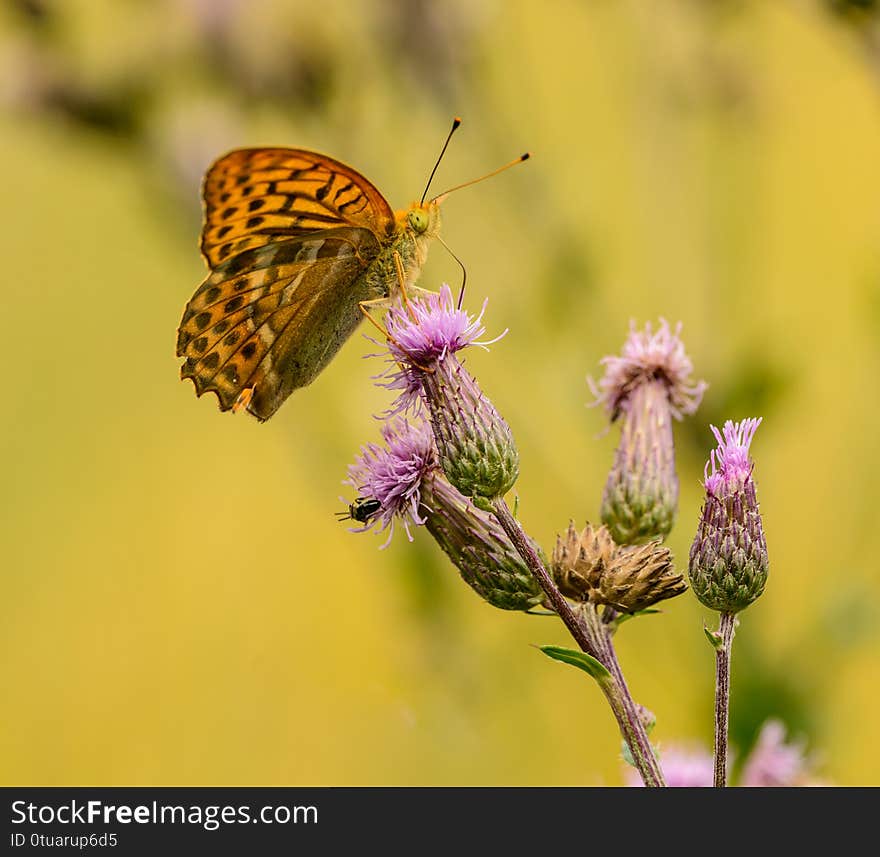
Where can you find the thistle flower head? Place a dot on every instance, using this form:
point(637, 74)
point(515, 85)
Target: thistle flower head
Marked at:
point(581, 559)
point(684, 766)
point(728, 560)
point(392, 475)
point(649, 355)
point(641, 576)
point(427, 328)
point(474, 444)
point(649, 384)
point(589, 566)
point(773, 761)
point(730, 464)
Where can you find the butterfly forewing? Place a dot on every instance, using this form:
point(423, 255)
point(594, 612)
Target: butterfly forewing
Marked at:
point(288, 235)
point(256, 196)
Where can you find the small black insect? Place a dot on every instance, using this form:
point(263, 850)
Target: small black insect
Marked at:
point(360, 510)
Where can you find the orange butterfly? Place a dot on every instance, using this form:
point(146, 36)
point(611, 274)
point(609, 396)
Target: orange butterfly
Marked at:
point(297, 244)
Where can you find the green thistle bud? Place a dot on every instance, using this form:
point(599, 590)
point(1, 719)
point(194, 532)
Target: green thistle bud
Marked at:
point(728, 559)
point(479, 548)
point(475, 445)
point(641, 495)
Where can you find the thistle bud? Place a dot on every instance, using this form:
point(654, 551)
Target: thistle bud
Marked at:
point(479, 548)
point(647, 386)
point(728, 559)
point(641, 494)
point(475, 446)
point(589, 566)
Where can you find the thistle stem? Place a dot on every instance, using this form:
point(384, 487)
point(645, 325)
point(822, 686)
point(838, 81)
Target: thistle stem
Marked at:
point(593, 637)
point(726, 630)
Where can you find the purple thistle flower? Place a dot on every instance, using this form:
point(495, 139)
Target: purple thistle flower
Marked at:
point(730, 463)
point(393, 474)
point(728, 559)
point(773, 762)
point(683, 767)
point(427, 328)
point(649, 356)
point(648, 385)
point(474, 444)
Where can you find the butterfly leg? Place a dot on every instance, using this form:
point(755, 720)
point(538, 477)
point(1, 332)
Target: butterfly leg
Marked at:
point(401, 281)
point(243, 400)
point(363, 306)
point(366, 306)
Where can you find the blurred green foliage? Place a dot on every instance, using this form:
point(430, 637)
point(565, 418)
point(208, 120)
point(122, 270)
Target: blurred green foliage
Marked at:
point(179, 604)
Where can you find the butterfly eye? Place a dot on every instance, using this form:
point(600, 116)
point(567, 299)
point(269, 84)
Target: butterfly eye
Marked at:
point(418, 220)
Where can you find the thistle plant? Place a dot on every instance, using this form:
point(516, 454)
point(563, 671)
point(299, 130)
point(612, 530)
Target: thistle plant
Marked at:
point(728, 559)
point(448, 460)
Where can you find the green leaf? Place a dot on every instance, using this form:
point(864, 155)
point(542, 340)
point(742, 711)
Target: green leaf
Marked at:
point(714, 638)
point(625, 617)
point(581, 660)
point(484, 504)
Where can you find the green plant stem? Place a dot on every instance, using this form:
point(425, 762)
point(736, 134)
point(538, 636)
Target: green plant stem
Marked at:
point(593, 637)
point(726, 630)
point(632, 727)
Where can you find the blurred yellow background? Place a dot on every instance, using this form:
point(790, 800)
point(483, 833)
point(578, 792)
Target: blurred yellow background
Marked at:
point(179, 604)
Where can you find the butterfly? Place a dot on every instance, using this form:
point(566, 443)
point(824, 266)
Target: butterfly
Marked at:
point(298, 245)
point(296, 242)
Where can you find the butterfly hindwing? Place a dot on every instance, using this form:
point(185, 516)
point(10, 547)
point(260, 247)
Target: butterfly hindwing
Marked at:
point(270, 327)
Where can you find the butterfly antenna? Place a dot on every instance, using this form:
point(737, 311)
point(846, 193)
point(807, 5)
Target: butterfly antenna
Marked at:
point(463, 271)
point(513, 163)
point(455, 123)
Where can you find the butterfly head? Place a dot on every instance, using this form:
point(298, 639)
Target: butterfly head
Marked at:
point(422, 219)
